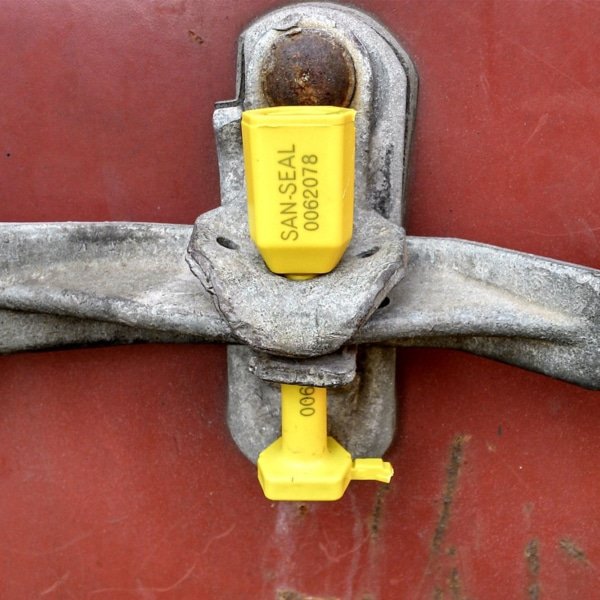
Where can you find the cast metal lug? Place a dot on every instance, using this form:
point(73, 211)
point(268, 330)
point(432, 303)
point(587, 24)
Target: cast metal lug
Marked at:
point(295, 318)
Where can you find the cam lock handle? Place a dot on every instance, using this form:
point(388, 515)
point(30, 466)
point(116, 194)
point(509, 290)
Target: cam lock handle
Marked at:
point(299, 163)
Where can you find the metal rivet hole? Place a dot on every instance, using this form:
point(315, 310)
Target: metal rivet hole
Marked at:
point(384, 303)
point(227, 243)
point(367, 253)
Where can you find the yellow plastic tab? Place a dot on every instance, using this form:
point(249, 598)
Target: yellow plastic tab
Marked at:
point(305, 464)
point(372, 469)
point(299, 163)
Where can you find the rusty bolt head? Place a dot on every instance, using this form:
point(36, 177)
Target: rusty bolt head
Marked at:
point(308, 67)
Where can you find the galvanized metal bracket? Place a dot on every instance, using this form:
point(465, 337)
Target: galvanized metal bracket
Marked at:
point(313, 53)
point(80, 283)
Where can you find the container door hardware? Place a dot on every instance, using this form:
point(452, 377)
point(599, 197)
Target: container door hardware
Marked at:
point(220, 281)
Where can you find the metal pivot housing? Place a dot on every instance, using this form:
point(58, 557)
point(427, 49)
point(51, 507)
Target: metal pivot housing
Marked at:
point(81, 283)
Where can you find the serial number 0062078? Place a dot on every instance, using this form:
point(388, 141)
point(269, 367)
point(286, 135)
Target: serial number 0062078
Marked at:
point(310, 193)
point(299, 193)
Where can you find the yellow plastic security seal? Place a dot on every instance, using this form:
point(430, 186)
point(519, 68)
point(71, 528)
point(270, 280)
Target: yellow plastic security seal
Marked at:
point(299, 163)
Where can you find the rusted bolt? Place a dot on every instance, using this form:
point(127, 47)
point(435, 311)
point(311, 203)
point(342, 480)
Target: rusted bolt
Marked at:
point(308, 67)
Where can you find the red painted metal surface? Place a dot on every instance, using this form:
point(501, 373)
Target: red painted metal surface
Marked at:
point(118, 479)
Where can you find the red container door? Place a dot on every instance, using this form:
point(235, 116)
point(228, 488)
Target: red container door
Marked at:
point(118, 477)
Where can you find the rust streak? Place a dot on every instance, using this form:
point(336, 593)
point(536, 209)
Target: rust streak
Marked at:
point(452, 476)
point(532, 559)
point(533, 591)
point(375, 521)
point(572, 550)
point(455, 585)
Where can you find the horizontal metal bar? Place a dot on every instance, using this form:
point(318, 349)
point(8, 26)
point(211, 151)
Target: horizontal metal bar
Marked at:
point(87, 283)
point(536, 313)
point(132, 274)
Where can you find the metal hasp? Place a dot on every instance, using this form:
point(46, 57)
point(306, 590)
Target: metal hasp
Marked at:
point(80, 283)
point(314, 53)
